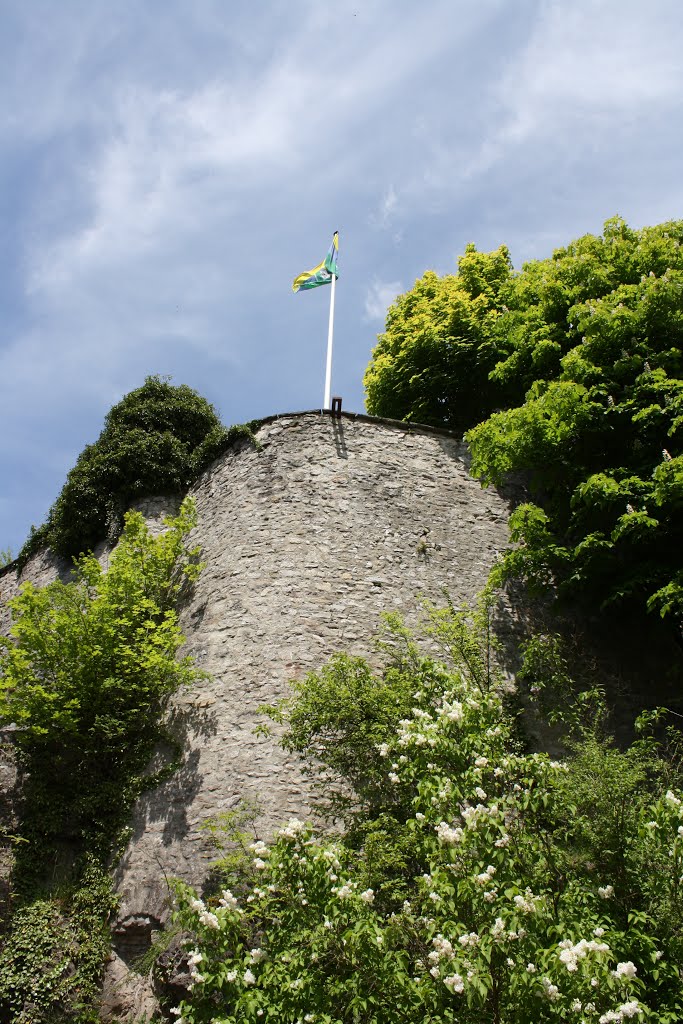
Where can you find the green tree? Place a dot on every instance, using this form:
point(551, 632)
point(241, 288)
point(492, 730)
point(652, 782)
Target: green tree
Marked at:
point(433, 362)
point(85, 675)
point(156, 440)
point(595, 338)
point(569, 372)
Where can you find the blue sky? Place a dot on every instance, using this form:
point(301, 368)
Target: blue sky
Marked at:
point(167, 168)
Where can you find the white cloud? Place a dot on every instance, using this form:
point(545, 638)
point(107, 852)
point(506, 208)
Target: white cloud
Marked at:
point(379, 296)
point(387, 208)
point(588, 72)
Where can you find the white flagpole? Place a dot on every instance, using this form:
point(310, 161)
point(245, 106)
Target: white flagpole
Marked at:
point(330, 332)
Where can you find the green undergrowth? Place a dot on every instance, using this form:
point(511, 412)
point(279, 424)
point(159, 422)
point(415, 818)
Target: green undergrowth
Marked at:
point(461, 878)
point(86, 676)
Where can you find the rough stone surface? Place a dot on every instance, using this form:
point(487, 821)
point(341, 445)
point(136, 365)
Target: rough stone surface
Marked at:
point(306, 539)
point(126, 996)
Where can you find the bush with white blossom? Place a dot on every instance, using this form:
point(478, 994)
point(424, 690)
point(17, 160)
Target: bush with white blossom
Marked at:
point(470, 886)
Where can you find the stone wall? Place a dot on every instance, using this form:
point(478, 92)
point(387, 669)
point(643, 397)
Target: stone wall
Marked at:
point(307, 537)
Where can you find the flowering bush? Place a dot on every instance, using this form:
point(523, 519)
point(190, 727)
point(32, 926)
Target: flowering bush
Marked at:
point(477, 893)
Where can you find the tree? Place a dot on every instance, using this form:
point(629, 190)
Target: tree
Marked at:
point(156, 440)
point(86, 674)
point(595, 339)
point(433, 362)
point(574, 370)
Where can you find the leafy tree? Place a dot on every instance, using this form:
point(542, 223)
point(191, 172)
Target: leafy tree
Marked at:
point(433, 362)
point(581, 355)
point(473, 882)
point(86, 674)
point(156, 440)
point(595, 339)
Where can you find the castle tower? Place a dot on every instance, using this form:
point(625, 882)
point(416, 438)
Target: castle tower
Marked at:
point(307, 537)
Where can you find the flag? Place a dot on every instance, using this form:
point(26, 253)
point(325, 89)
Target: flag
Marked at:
point(322, 274)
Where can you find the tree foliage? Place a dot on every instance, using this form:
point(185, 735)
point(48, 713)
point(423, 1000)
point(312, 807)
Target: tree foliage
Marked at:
point(433, 362)
point(156, 440)
point(473, 882)
point(85, 676)
point(585, 362)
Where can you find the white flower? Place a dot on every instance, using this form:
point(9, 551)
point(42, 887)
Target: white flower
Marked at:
point(598, 932)
point(197, 905)
point(175, 1010)
point(502, 842)
point(259, 864)
point(228, 900)
point(327, 923)
point(249, 978)
point(672, 799)
point(606, 892)
point(368, 896)
point(526, 904)
point(455, 983)
point(435, 897)
point(626, 970)
point(209, 920)
point(419, 816)
point(481, 793)
point(577, 1006)
point(551, 991)
point(292, 829)
point(453, 712)
point(195, 957)
point(447, 834)
point(469, 939)
point(531, 968)
point(260, 848)
point(442, 947)
point(434, 971)
point(630, 1009)
point(490, 895)
point(481, 762)
point(393, 777)
point(510, 962)
point(658, 955)
point(383, 749)
point(256, 955)
point(231, 976)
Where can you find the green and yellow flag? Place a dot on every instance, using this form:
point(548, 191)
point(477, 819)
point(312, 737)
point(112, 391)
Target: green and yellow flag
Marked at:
point(323, 273)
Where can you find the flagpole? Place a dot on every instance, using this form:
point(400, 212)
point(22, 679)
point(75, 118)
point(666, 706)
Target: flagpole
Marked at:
point(330, 331)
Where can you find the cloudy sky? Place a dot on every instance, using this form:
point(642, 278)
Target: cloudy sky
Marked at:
point(167, 168)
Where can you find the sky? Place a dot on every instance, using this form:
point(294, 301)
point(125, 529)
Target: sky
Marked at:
point(167, 168)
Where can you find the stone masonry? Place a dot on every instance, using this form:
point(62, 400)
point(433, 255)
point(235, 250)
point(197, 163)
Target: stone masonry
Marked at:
point(307, 538)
